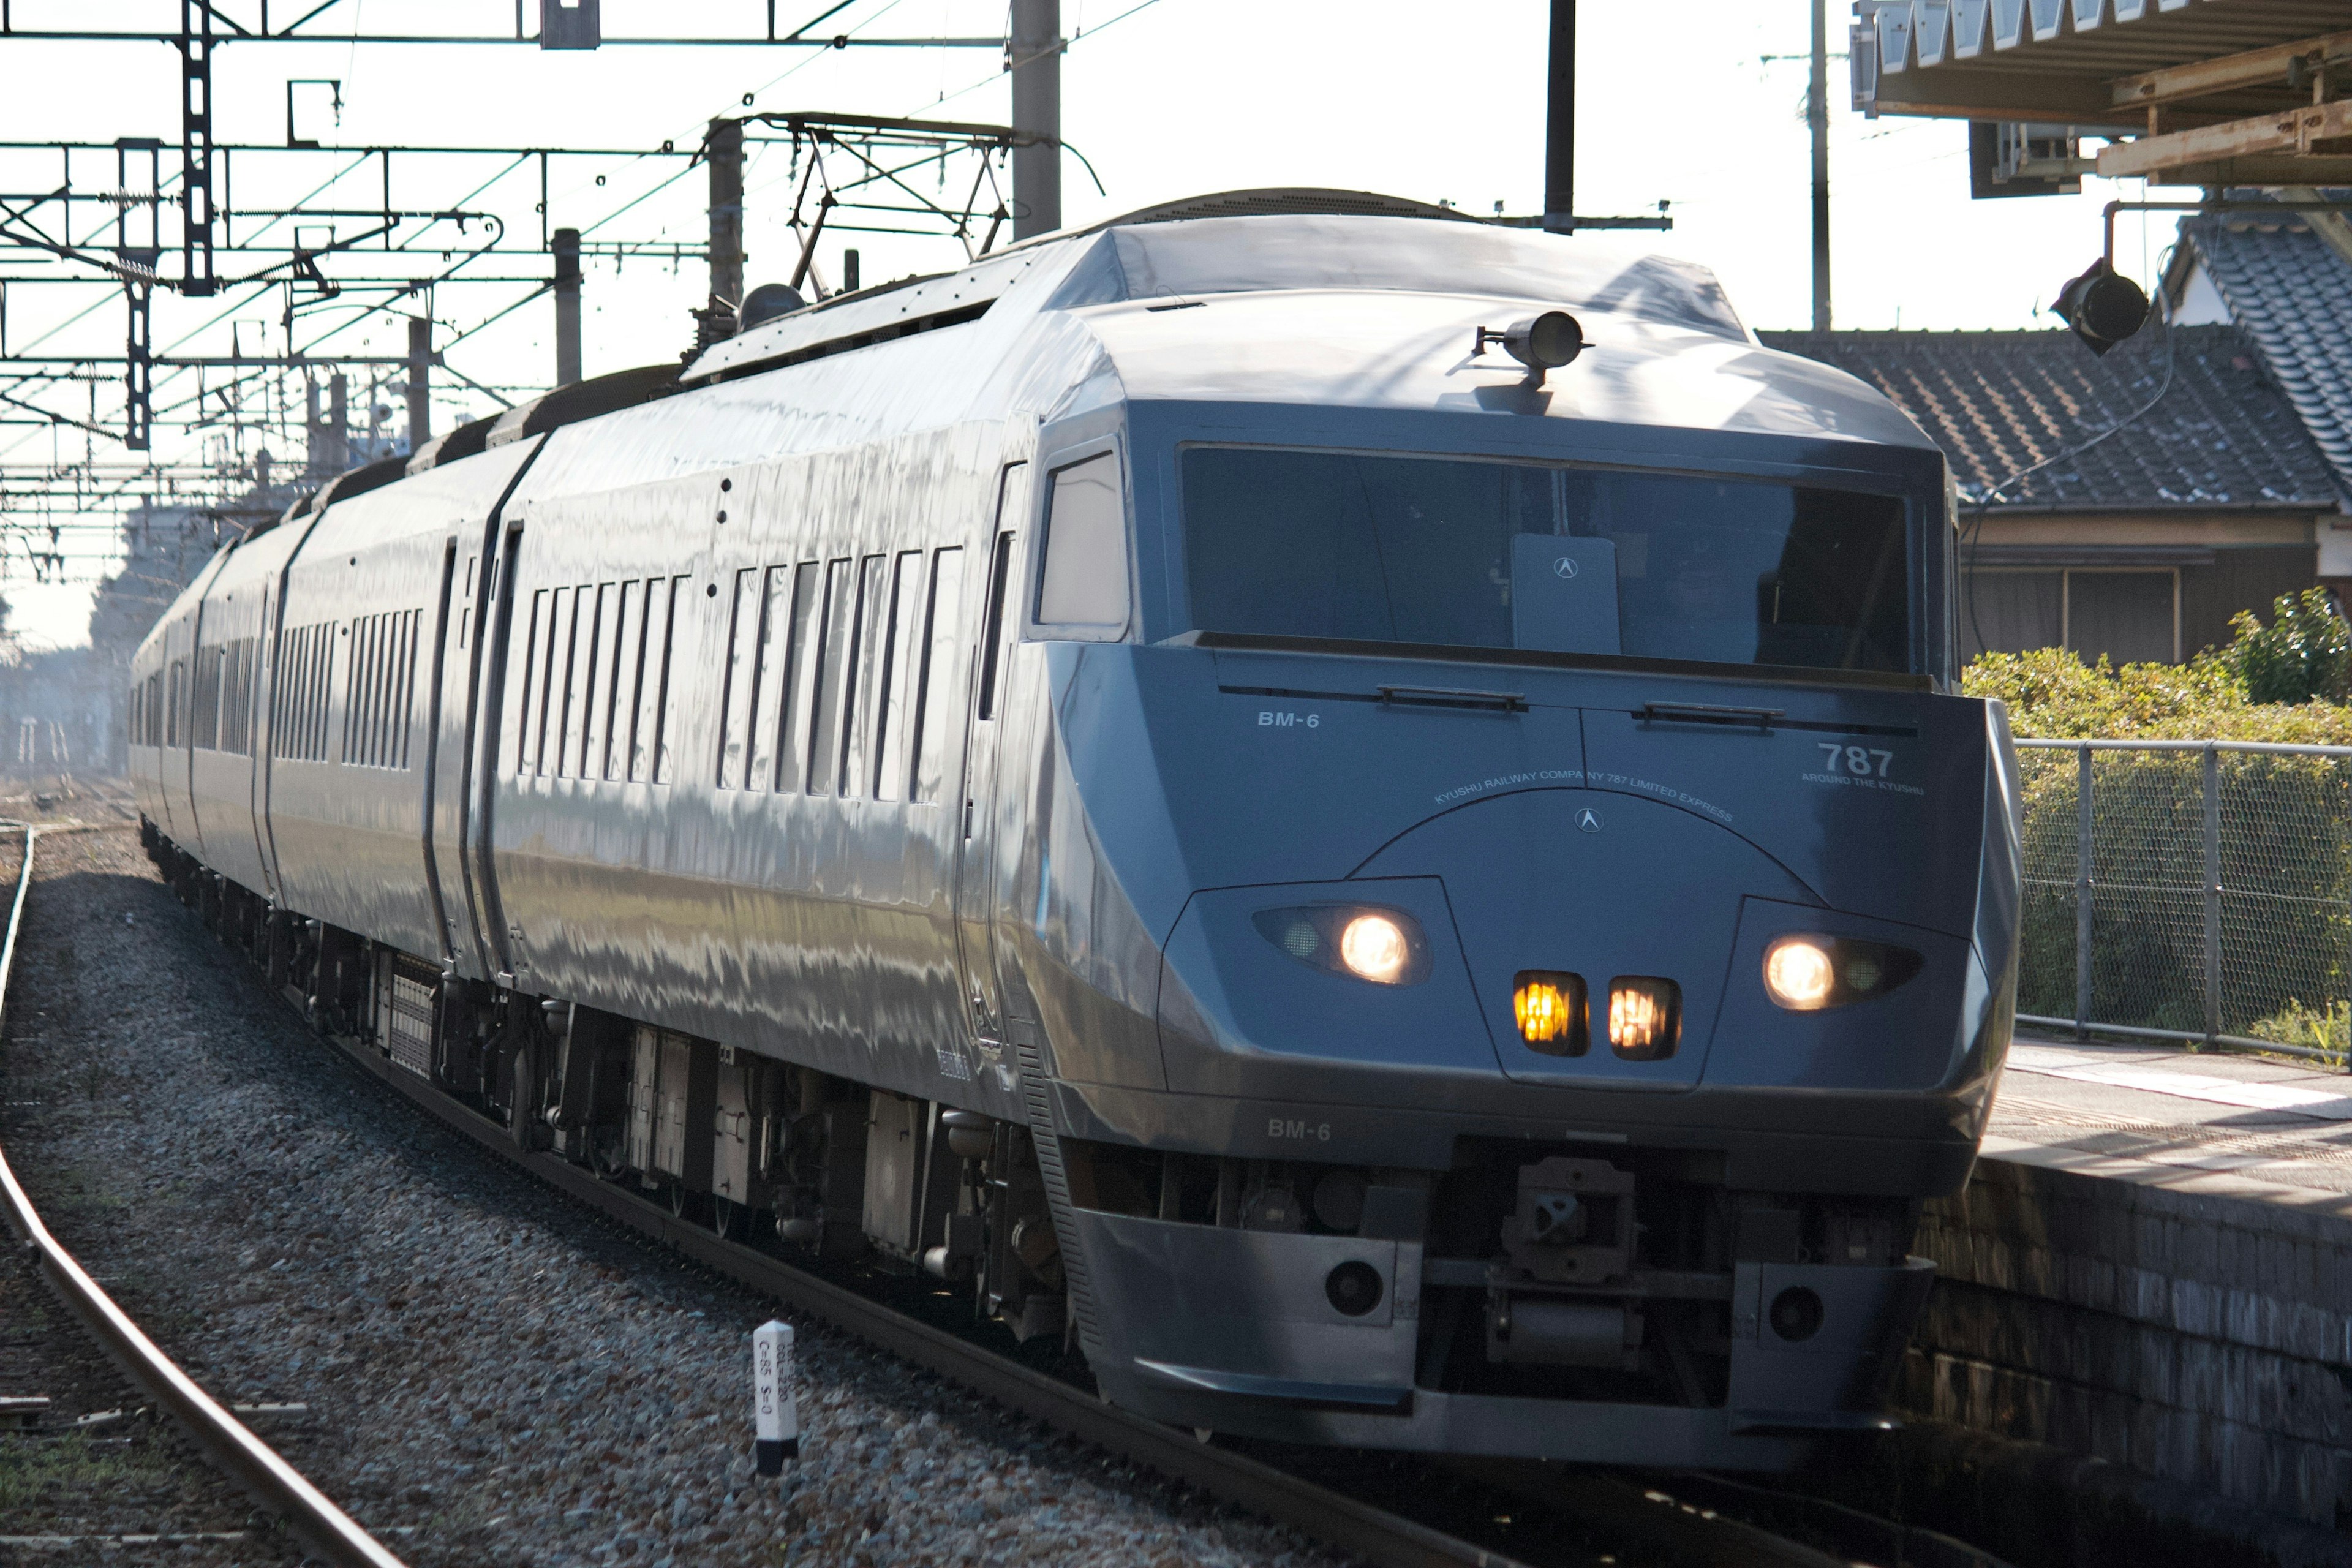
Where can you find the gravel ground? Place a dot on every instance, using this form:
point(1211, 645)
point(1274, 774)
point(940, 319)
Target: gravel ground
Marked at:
point(493, 1377)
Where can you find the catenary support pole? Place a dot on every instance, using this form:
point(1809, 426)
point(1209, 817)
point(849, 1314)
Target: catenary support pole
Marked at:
point(1817, 119)
point(1560, 123)
point(723, 148)
point(420, 388)
point(338, 423)
point(566, 243)
point(1035, 52)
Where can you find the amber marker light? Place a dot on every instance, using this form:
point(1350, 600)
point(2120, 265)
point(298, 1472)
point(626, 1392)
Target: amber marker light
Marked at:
point(1645, 1018)
point(1800, 974)
point(1374, 948)
point(1549, 1009)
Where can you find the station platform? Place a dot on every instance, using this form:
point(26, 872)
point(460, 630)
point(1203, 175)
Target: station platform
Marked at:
point(2275, 1131)
point(2152, 1265)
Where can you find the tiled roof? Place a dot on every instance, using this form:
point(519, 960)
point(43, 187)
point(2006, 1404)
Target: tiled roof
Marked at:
point(2222, 435)
point(2293, 296)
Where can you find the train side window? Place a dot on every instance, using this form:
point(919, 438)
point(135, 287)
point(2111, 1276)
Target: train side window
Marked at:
point(833, 637)
point(771, 675)
point(404, 712)
point(203, 715)
point(647, 701)
point(1082, 569)
point(894, 692)
point(598, 681)
point(736, 693)
point(938, 683)
point(629, 668)
point(863, 679)
point(358, 682)
point(665, 694)
point(992, 634)
point(796, 686)
point(578, 671)
point(554, 654)
point(526, 752)
point(378, 668)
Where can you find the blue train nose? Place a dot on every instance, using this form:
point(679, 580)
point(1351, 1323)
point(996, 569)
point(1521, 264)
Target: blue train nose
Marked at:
point(1626, 907)
point(1635, 902)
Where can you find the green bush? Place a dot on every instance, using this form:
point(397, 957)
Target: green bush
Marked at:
point(2304, 652)
point(2286, 844)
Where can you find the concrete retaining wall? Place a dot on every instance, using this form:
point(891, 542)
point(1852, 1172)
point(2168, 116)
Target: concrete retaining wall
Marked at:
point(2189, 1324)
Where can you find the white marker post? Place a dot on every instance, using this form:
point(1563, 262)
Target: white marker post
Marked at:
point(776, 1415)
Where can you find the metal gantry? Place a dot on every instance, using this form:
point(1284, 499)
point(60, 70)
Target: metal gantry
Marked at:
point(437, 238)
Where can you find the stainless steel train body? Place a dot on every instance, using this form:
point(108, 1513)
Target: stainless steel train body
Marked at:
point(918, 786)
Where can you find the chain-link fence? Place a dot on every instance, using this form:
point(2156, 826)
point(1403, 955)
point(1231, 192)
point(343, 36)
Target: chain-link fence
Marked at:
point(2190, 890)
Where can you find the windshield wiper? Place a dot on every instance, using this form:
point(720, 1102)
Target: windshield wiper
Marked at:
point(1454, 697)
point(1709, 713)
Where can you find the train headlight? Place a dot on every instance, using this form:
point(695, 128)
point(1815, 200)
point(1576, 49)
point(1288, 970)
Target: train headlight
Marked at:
point(1810, 973)
point(1549, 1009)
point(1645, 1018)
point(1374, 948)
point(1384, 946)
point(1798, 973)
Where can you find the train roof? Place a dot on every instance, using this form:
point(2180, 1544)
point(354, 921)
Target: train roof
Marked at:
point(1306, 297)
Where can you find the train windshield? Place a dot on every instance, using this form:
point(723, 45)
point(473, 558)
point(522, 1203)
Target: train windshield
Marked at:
point(1486, 555)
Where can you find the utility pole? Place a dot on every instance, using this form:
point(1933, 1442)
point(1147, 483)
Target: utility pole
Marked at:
point(566, 242)
point(1035, 54)
point(1559, 125)
point(420, 367)
point(724, 149)
point(1816, 118)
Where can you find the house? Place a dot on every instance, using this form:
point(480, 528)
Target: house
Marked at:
point(2210, 496)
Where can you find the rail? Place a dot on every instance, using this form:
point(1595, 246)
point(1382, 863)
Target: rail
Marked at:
point(329, 1533)
point(2189, 891)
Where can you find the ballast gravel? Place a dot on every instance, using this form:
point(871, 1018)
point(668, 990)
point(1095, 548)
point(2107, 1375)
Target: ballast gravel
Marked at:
point(492, 1375)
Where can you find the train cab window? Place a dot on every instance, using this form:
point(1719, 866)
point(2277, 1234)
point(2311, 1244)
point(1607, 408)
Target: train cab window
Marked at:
point(1483, 555)
point(1082, 578)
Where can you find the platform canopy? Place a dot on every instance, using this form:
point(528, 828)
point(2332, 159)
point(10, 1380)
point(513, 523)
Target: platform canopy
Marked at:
point(2202, 92)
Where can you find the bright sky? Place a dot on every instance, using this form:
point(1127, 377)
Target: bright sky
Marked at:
point(1700, 104)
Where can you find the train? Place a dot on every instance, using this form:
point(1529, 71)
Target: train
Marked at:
point(1359, 816)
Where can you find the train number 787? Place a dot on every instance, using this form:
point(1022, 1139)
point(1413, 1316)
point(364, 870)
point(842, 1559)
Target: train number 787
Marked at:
point(1856, 760)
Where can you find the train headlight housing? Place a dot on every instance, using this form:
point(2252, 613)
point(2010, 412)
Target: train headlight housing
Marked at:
point(1383, 946)
point(1550, 1008)
point(1645, 1018)
point(1809, 973)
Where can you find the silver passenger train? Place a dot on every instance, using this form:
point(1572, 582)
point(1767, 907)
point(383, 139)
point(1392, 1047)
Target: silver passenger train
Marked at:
point(1391, 898)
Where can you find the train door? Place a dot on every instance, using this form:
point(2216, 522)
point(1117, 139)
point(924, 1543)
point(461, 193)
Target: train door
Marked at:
point(480, 769)
point(257, 736)
point(266, 737)
point(981, 811)
point(450, 622)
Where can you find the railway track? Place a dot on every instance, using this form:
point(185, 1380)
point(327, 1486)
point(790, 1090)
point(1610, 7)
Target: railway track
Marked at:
point(1493, 1517)
point(1690, 1521)
point(329, 1535)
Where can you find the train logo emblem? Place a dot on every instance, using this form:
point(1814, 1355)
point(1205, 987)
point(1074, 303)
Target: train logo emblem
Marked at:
point(1564, 567)
point(1589, 820)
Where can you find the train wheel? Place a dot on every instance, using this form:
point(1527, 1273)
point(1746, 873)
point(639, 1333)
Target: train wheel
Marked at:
point(728, 1219)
